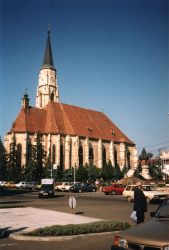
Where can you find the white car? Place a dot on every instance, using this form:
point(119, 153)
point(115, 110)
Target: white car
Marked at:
point(63, 186)
point(149, 191)
point(22, 185)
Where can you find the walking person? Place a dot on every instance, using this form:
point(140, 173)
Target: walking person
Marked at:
point(140, 203)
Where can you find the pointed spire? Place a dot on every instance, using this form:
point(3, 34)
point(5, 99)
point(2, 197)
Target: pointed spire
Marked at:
point(48, 59)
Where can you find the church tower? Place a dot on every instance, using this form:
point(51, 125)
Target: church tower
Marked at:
point(47, 89)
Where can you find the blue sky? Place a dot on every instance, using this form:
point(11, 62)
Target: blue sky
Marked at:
point(110, 55)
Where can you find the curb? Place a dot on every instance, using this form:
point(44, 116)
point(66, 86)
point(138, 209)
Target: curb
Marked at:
point(19, 236)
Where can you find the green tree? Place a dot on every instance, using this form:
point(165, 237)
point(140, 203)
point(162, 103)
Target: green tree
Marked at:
point(124, 170)
point(48, 168)
point(155, 170)
point(3, 162)
point(117, 173)
point(94, 173)
point(81, 174)
point(30, 168)
point(108, 171)
point(35, 166)
point(59, 173)
point(14, 167)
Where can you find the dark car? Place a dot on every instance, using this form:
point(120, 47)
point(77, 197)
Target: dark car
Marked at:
point(81, 187)
point(151, 235)
point(46, 190)
point(113, 189)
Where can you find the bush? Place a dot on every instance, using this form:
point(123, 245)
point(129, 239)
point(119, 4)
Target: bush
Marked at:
point(76, 229)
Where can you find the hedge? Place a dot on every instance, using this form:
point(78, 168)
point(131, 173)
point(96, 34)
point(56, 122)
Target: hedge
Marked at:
point(76, 229)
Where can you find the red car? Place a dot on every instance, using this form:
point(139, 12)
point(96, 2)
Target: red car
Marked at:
point(114, 189)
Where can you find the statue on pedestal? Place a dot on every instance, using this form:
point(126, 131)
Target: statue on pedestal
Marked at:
point(144, 159)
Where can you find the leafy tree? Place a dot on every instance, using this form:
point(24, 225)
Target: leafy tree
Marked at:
point(94, 173)
point(3, 162)
point(30, 168)
point(81, 174)
point(59, 173)
point(117, 173)
point(48, 166)
point(108, 171)
point(14, 167)
point(124, 170)
point(68, 174)
point(35, 166)
point(155, 170)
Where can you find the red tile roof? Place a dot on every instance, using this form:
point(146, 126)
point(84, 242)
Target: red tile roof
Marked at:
point(67, 119)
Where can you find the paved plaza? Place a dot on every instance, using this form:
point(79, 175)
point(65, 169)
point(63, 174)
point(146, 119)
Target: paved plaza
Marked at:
point(29, 218)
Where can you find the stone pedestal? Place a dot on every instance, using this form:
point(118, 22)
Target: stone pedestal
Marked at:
point(145, 172)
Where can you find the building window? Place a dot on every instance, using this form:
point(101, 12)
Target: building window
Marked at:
point(53, 154)
point(80, 156)
point(104, 156)
point(70, 156)
point(91, 156)
point(19, 154)
point(40, 99)
point(52, 97)
point(61, 157)
point(128, 158)
point(115, 156)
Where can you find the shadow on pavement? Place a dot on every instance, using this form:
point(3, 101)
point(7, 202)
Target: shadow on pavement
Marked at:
point(5, 232)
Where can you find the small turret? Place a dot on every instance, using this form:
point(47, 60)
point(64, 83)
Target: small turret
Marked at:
point(25, 101)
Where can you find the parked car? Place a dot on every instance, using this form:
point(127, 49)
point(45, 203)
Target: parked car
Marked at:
point(9, 184)
point(151, 235)
point(33, 185)
point(22, 185)
point(113, 189)
point(81, 187)
point(149, 191)
point(3, 183)
point(63, 186)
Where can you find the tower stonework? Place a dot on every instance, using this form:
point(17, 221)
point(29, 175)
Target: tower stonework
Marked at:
point(47, 89)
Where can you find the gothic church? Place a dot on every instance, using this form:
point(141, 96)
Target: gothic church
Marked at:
point(74, 135)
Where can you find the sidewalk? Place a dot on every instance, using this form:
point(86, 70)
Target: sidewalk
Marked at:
point(29, 218)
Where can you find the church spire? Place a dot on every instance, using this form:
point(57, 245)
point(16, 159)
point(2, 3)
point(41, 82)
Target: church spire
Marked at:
point(48, 58)
point(47, 89)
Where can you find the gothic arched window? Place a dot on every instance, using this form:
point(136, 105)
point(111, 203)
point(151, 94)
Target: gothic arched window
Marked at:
point(80, 155)
point(104, 156)
point(128, 158)
point(61, 156)
point(52, 97)
point(91, 156)
point(40, 99)
point(19, 154)
point(53, 154)
point(115, 156)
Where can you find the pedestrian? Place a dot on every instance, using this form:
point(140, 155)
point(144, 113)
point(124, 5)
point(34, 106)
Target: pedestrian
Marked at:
point(140, 202)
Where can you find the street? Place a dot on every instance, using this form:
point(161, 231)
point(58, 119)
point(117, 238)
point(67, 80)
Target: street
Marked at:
point(96, 205)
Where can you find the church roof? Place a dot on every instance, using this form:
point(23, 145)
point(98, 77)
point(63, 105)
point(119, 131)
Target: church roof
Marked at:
point(60, 118)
